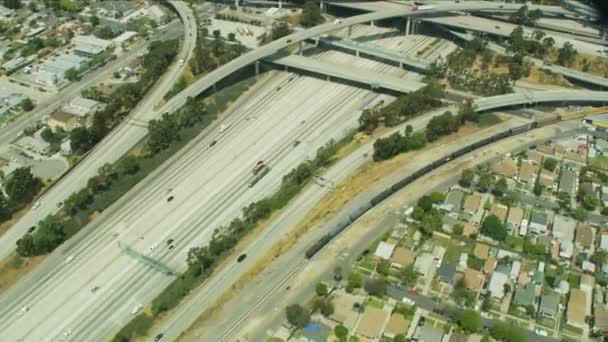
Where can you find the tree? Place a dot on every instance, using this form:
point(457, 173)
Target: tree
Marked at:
point(563, 198)
point(104, 32)
point(485, 181)
point(538, 188)
point(504, 332)
point(22, 186)
point(324, 305)
point(368, 121)
point(384, 267)
point(321, 289)
point(375, 287)
point(11, 4)
point(458, 229)
point(297, 316)
point(129, 165)
point(311, 15)
point(409, 276)
point(506, 288)
point(567, 54)
point(493, 228)
point(94, 20)
point(550, 164)
point(80, 140)
point(467, 177)
point(279, 29)
point(580, 214)
point(500, 187)
point(441, 125)
point(470, 321)
point(72, 74)
point(231, 37)
point(338, 273)
point(341, 331)
point(27, 104)
point(600, 257)
point(354, 281)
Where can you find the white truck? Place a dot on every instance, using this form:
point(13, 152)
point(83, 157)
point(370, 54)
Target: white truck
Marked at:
point(224, 127)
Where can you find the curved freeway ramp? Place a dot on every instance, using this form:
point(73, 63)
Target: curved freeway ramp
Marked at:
point(536, 97)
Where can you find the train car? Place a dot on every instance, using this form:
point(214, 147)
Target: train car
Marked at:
point(359, 211)
point(310, 252)
point(381, 197)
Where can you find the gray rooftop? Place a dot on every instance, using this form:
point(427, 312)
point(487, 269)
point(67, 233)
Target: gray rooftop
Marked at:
point(525, 296)
point(538, 217)
point(549, 304)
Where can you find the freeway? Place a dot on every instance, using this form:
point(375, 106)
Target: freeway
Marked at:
point(112, 147)
point(346, 72)
point(536, 97)
point(123, 138)
point(209, 189)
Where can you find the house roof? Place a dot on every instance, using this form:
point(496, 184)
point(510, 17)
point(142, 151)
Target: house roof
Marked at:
point(474, 278)
point(535, 156)
point(403, 256)
point(538, 277)
point(585, 235)
point(472, 202)
point(563, 228)
point(454, 199)
point(497, 283)
point(523, 279)
point(61, 116)
point(458, 338)
point(500, 211)
point(547, 149)
point(577, 306)
point(528, 171)
point(525, 296)
point(577, 156)
point(429, 333)
point(559, 150)
point(470, 228)
point(515, 216)
point(446, 272)
point(396, 325)
point(549, 304)
point(506, 167)
point(384, 250)
point(587, 188)
point(481, 250)
point(539, 218)
point(546, 178)
point(587, 282)
point(490, 265)
point(372, 322)
point(343, 312)
point(423, 263)
point(601, 317)
point(567, 181)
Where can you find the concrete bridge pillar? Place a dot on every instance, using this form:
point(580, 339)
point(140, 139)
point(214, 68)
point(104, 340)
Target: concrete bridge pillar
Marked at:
point(357, 52)
point(236, 3)
point(322, 6)
point(407, 26)
point(350, 31)
point(301, 48)
point(280, 4)
point(257, 68)
point(372, 23)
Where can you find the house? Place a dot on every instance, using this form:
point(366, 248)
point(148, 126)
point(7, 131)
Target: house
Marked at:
point(563, 287)
point(428, 333)
point(559, 151)
point(538, 223)
point(528, 172)
point(403, 257)
point(384, 250)
point(549, 305)
point(474, 279)
point(539, 277)
point(438, 253)
point(90, 45)
point(82, 107)
point(65, 121)
point(446, 272)
point(37, 145)
point(372, 322)
point(481, 250)
point(588, 190)
point(604, 241)
point(462, 261)
point(580, 156)
point(605, 195)
point(525, 296)
point(396, 325)
point(547, 179)
point(567, 182)
point(497, 284)
point(536, 157)
point(515, 268)
point(506, 168)
point(472, 204)
point(588, 266)
point(587, 282)
point(555, 249)
point(601, 318)
point(470, 229)
point(546, 149)
point(453, 200)
point(458, 338)
point(566, 249)
point(424, 263)
point(514, 218)
point(585, 238)
point(523, 229)
point(563, 228)
point(344, 311)
point(500, 211)
point(106, 90)
point(577, 306)
point(490, 265)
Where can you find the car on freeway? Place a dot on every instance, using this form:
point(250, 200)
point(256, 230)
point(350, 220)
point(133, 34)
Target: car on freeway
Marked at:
point(136, 309)
point(181, 62)
point(31, 230)
point(288, 41)
point(24, 310)
point(171, 247)
point(158, 337)
point(213, 143)
point(94, 289)
point(241, 257)
point(170, 198)
point(36, 205)
point(67, 333)
point(170, 241)
point(69, 259)
point(224, 127)
point(151, 248)
point(532, 147)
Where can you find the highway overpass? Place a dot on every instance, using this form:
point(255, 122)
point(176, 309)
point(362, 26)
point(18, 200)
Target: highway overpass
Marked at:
point(345, 72)
point(538, 97)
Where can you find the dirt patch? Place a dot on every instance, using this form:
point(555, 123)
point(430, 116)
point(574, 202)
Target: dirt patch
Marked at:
point(544, 77)
point(13, 268)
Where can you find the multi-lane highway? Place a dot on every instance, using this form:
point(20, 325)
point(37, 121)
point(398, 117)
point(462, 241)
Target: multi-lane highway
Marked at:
point(209, 189)
point(112, 147)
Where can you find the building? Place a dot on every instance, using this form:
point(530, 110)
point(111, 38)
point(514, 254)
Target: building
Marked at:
point(446, 272)
point(547, 179)
point(34, 144)
point(604, 241)
point(424, 263)
point(497, 284)
point(124, 37)
point(585, 238)
point(472, 204)
point(344, 310)
point(90, 45)
point(567, 182)
point(538, 223)
point(384, 250)
point(577, 304)
point(157, 14)
point(536, 156)
point(65, 121)
point(428, 333)
point(587, 283)
point(506, 168)
point(454, 200)
point(549, 305)
point(482, 251)
point(514, 218)
point(601, 318)
point(525, 296)
point(82, 107)
point(372, 322)
point(403, 257)
point(500, 211)
point(515, 269)
point(396, 325)
point(56, 67)
point(474, 279)
point(490, 265)
point(528, 172)
point(14, 64)
point(564, 229)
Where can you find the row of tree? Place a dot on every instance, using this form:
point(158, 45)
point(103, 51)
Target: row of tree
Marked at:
point(20, 188)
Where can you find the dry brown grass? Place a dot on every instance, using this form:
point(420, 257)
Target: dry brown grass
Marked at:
point(13, 268)
point(541, 77)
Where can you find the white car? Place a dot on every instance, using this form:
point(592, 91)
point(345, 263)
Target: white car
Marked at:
point(69, 259)
point(67, 333)
point(541, 332)
point(136, 309)
point(181, 62)
point(224, 127)
point(36, 205)
point(407, 301)
point(23, 310)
